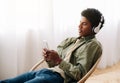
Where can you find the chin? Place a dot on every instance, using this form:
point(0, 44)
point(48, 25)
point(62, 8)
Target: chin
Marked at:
point(80, 34)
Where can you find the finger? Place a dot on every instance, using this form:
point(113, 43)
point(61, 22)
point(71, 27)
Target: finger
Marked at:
point(45, 49)
point(45, 55)
point(44, 52)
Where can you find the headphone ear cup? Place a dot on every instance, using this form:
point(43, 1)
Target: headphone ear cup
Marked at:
point(96, 29)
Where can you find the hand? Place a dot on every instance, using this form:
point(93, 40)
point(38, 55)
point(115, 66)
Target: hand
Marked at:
point(51, 55)
point(45, 54)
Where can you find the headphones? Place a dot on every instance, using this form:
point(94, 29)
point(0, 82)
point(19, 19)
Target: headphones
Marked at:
point(97, 29)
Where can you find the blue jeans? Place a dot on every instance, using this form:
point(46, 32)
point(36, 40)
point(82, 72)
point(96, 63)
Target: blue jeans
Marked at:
point(41, 76)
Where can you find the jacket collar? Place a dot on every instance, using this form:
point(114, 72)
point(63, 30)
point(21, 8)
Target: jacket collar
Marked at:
point(87, 37)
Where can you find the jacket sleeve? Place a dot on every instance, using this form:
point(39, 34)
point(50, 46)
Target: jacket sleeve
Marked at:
point(62, 45)
point(84, 57)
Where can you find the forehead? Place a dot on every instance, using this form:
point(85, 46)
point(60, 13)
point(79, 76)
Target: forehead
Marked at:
point(84, 19)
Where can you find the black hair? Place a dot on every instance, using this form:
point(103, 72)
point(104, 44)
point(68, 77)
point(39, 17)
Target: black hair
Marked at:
point(94, 16)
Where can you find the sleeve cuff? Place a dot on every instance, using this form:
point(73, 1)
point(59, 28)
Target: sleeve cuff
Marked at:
point(64, 65)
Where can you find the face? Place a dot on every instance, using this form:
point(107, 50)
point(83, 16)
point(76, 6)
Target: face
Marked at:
point(85, 28)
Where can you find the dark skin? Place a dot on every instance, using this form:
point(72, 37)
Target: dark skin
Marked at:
point(84, 28)
point(51, 55)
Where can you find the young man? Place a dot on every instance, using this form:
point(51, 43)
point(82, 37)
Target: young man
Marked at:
point(74, 56)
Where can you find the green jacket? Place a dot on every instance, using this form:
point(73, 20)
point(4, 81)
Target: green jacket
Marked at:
point(82, 58)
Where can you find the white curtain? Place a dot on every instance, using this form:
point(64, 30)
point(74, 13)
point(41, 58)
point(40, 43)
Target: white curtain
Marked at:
point(24, 24)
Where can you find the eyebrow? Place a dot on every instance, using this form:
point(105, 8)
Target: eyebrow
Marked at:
point(83, 22)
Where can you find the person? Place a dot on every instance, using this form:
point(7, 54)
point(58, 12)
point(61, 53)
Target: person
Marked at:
point(74, 56)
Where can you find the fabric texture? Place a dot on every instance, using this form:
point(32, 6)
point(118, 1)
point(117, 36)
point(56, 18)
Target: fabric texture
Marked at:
point(82, 58)
point(79, 58)
point(67, 58)
point(41, 76)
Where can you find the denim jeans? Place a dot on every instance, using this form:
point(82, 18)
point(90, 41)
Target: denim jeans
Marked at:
point(41, 76)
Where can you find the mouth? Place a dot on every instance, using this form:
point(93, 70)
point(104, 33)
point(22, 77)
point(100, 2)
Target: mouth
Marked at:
point(80, 31)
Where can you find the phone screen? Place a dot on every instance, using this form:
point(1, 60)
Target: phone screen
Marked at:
point(45, 44)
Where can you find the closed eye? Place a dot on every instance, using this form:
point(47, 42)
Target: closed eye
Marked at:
point(84, 23)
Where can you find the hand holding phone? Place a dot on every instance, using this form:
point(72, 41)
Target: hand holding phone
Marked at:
point(45, 49)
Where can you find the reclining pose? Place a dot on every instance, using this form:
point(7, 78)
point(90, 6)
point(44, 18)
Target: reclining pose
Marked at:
point(74, 56)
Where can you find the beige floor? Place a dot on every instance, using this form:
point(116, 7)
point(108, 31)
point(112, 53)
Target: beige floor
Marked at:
point(115, 67)
point(107, 75)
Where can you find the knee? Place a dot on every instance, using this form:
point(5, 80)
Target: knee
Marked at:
point(41, 78)
point(37, 80)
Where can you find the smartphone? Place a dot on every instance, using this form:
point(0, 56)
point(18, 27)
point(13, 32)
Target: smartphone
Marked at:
point(45, 44)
